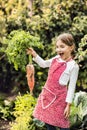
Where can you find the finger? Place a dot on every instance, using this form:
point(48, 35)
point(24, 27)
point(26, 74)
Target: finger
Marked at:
point(66, 114)
point(29, 50)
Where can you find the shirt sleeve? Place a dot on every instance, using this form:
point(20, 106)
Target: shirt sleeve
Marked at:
point(72, 84)
point(41, 62)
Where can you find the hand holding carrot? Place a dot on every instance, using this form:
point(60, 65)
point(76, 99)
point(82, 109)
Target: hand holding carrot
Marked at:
point(32, 52)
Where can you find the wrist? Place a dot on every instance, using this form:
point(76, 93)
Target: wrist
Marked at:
point(68, 104)
point(34, 54)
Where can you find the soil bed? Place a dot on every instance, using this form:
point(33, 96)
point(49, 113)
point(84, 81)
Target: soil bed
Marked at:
point(4, 125)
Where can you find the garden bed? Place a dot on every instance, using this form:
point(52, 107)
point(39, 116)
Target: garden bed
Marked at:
point(4, 125)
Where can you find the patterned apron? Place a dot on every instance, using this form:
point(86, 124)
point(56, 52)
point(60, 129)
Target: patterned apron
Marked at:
point(51, 102)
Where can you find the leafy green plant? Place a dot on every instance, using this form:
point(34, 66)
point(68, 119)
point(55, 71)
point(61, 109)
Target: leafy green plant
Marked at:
point(74, 118)
point(82, 50)
point(6, 108)
point(24, 106)
point(82, 59)
point(17, 43)
point(79, 110)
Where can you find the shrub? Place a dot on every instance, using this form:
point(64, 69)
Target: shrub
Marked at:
point(24, 106)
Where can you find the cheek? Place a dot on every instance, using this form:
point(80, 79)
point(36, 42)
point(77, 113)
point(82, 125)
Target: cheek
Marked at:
point(57, 49)
point(66, 50)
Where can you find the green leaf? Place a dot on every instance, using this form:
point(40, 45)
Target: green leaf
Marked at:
point(17, 43)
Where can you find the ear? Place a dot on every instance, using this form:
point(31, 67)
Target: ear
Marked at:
point(73, 47)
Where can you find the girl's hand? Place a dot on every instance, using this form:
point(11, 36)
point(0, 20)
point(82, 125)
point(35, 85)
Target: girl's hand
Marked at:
point(31, 51)
point(67, 111)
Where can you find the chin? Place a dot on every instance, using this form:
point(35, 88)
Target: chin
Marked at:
point(63, 58)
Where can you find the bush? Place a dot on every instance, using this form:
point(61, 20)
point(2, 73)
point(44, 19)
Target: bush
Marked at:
point(6, 108)
point(24, 106)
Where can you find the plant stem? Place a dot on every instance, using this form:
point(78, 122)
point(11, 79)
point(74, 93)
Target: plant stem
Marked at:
point(30, 59)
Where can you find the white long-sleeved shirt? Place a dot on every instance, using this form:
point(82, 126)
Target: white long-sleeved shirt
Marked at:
point(68, 77)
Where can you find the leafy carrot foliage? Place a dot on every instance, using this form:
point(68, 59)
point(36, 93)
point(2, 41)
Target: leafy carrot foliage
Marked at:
point(17, 43)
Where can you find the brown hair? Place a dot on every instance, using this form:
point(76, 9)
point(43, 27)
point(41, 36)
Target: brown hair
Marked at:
point(68, 39)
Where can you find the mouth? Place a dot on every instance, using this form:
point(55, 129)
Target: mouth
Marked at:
point(61, 54)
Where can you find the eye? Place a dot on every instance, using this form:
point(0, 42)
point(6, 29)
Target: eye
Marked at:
point(62, 46)
point(56, 46)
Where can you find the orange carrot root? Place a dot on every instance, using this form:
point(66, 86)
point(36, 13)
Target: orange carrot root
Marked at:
point(30, 77)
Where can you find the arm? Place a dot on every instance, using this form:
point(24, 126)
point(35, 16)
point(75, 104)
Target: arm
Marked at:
point(42, 63)
point(72, 84)
point(71, 90)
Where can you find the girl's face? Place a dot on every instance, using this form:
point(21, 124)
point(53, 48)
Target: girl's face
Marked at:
point(63, 50)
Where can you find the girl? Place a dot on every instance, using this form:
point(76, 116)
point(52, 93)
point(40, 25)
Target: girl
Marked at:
point(53, 105)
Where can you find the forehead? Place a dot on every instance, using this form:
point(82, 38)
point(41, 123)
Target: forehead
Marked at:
point(59, 43)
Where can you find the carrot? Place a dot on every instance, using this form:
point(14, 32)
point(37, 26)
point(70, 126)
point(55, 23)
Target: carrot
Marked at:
point(30, 77)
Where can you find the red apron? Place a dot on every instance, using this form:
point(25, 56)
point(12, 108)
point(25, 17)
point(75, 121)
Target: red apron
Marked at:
point(51, 102)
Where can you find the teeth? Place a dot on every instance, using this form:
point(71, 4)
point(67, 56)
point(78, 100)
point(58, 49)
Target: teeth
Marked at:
point(61, 54)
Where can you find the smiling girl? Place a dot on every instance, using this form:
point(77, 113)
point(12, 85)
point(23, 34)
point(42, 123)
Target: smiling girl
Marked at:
point(53, 105)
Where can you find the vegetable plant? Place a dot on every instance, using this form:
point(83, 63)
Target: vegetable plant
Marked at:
point(17, 43)
point(78, 114)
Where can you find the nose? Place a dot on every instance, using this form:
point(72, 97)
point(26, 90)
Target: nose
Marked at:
point(58, 50)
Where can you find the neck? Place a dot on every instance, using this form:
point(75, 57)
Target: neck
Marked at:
point(68, 59)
